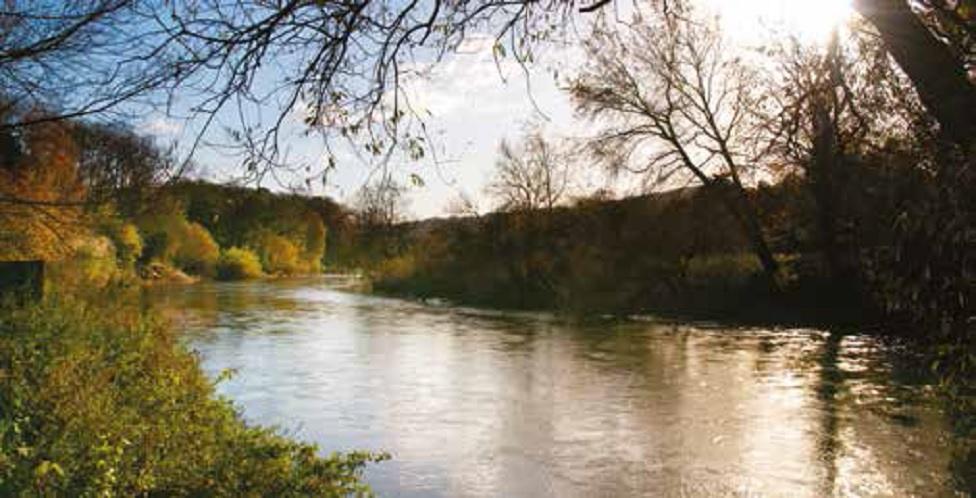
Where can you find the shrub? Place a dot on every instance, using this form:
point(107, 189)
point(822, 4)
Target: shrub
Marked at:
point(397, 269)
point(237, 264)
point(728, 270)
point(90, 265)
point(170, 238)
point(314, 247)
point(196, 252)
point(97, 402)
point(124, 236)
point(128, 244)
point(280, 255)
point(161, 235)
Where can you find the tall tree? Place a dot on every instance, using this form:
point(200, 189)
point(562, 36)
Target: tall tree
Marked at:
point(830, 108)
point(939, 73)
point(343, 61)
point(119, 166)
point(529, 176)
point(41, 195)
point(676, 101)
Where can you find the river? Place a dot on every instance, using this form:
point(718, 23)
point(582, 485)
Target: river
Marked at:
point(474, 403)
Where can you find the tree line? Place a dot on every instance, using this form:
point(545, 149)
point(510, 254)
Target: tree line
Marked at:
point(898, 91)
point(840, 165)
point(106, 198)
point(866, 145)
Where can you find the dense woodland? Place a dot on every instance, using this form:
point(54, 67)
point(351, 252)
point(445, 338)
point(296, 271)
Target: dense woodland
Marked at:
point(826, 182)
point(128, 215)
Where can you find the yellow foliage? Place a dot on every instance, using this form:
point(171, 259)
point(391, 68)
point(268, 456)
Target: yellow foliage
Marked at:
point(128, 244)
point(238, 263)
point(196, 251)
point(40, 196)
point(280, 255)
point(92, 265)
point(398, 268)
point(315, 233)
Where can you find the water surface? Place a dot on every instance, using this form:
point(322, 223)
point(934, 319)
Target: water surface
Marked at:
point(475, 403)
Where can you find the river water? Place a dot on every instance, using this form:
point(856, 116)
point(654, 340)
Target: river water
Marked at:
point(474, 403)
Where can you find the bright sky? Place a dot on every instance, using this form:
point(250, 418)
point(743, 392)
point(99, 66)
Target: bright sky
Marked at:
point(747, 20)
point(474, 104)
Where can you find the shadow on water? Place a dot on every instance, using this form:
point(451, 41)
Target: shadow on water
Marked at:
point(485, 403)
point(830, 380)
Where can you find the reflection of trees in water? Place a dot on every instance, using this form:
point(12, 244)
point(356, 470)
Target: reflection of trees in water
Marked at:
point(963, 465)
point(898, 422)
point(609, 406)
point(828, 444)
point(208, 305)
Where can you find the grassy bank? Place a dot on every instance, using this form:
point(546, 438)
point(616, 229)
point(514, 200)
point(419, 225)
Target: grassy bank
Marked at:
point(106, 402)
point(676, 253)
point(742, 299)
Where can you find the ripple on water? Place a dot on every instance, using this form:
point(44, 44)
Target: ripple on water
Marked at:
point(488, 403)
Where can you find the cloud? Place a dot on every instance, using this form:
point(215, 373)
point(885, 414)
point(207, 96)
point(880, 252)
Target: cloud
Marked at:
point(160, 126)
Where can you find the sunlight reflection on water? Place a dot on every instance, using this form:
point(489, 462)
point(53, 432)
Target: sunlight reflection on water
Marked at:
point(487, 403)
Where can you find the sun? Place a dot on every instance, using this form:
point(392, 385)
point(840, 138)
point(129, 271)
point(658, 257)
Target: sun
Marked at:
point(750, 20)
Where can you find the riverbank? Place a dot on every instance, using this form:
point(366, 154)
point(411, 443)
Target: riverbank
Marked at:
point(744, 300)
point(677, 252)
point(98, 397)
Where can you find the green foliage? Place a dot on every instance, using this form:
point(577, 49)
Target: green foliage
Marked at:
point(398, 268)
point(598, 255)
point(90, 266)
point(239, 216)
point(105, 402)
point(727, 270)
point(125, 238)
point(161, 231)
point(288, 232)
point(128, 244)
point(238, 264)
point(170, 238)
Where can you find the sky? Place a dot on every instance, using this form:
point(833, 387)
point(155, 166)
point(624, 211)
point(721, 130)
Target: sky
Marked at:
point(472, 102)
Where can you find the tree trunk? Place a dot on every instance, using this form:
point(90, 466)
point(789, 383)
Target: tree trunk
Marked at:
point(937, 73)
point(736, 200)
point(825, 166)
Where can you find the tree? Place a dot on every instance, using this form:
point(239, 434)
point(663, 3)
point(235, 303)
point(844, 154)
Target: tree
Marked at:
point(345, 60)
point(938, 70)
point(41, 196)
point(121, 167)
point(675, 101)
point(238, 263)
point(529, 176)
point(828, 111)
point(196, 251)
point(79, 58)
point(278, 254)
point(380, 205)
point(314, 240)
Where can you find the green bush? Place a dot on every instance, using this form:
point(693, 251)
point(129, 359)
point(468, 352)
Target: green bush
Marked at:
point(124, 235)
point(90, 266)
point(314, 249)
point(97, 402)
point(170, 238)
point(238, 264)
